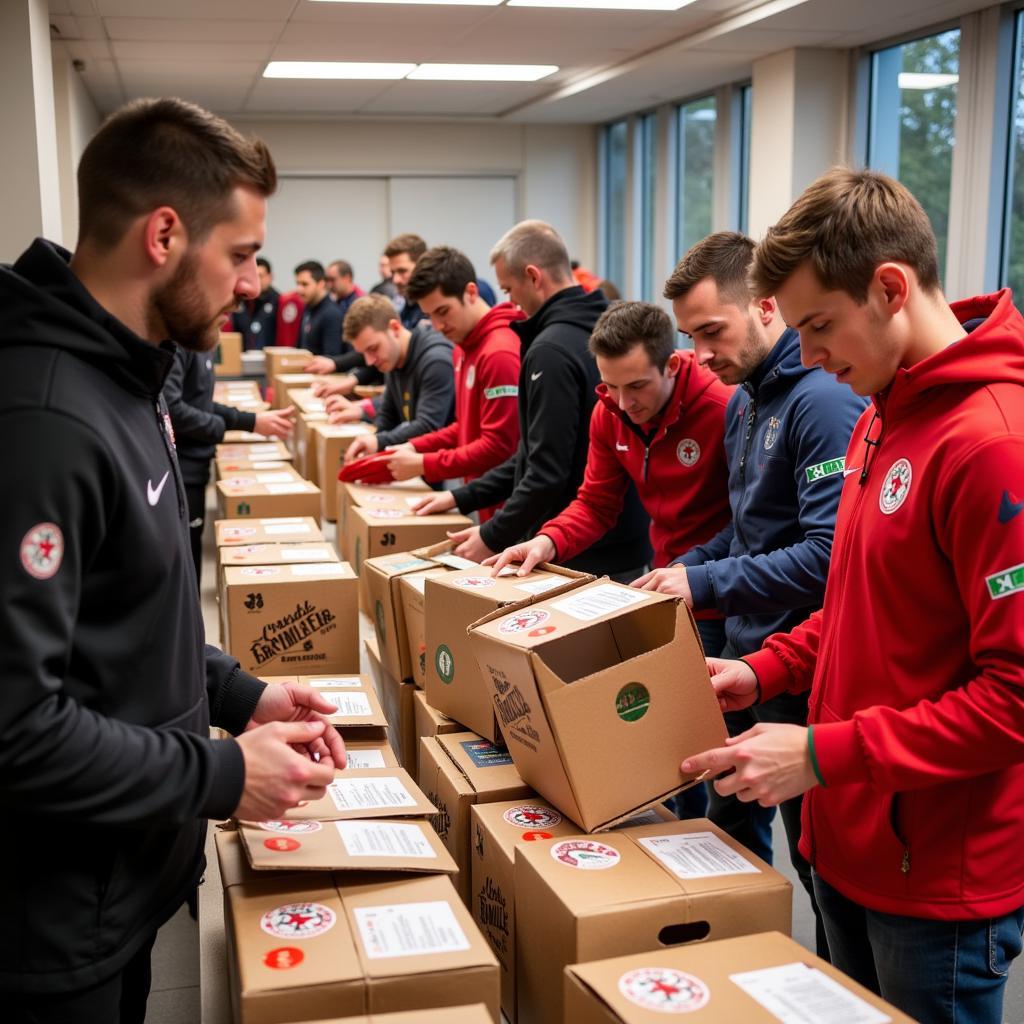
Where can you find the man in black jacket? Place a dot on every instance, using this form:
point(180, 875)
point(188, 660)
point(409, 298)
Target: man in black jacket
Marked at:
point(199, 424)
point(256, 319)
point(320, 331)
point(558, 378)
point(106, 761)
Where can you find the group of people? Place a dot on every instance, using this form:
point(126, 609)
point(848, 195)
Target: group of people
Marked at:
point(828, 476)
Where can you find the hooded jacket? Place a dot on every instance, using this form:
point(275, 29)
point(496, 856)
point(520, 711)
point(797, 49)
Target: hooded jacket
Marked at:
point(786, 433)
point(917, 657)
point(486, 427)
point(557, 390)
point(256, 320)
point(105, 693)
point(679, 469)
point(419, 395)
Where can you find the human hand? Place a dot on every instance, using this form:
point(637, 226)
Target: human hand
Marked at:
point(671, 580)
point(405, 462)
point(341, 410)
point(275, 422)
point(469, 545)
point(293, 702)
point(365, 444)
point(433, 504)
point(734, 683)
point(771, 762)
point(327, 388)
point(540, 549)
point(319, 364)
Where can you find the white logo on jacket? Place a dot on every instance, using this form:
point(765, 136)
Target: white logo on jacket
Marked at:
point(42, 550)
point(688, 451)
point(895, 486)
point(153, 493)
point(471, 376)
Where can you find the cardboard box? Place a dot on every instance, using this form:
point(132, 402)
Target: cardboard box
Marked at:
point(225, 390)
point(226, 468)
point(358, 715)
point(400, 495)
point(284, 359)
point(396, 698)
point(453, 603)
point(757, 979)
point(456, 771)
point(496, 829)
point(285, 498)
point(304, 445)
point(590, 897)
point(476, 1014)
point(412, 597)
point(328, 443)
point(274, 553)
point(431, 722)
point(314, 946)
point(304, 400)
point(365, 793)
point(256, 451)
point(604, 667)
point(227, 356)
point(282, 530)
point(292, 618)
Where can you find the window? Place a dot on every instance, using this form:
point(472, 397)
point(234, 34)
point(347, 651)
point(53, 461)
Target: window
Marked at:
point(1012, 271)
point(614, 175)
point(912, 121)
point(743, 192)
point(646, 174)
point(695, 162)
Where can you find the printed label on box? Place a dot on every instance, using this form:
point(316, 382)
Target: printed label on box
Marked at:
point(309, 554)
point(297, 487)
point(234, 532)
point(598, 601)
point(664, 990)
point(353, 705)
point(484, 754)
point(474, 582)
point(261, 570)
point(384, 839)
point(409, 929)
point(540, 586)
point(586, 854)
point(369, 794)
point(364, 759)
point(353, 682)
point(386, 513)
point(456, 562)
point(320, 569)
point(278, 528)
point(698, 855)
point(402, 564)
point(800, 994)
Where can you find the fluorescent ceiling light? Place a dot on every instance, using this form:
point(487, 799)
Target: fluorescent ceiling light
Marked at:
point(450, 3)
point(483, 72)
point(606, 5)
point(926, 80)
point(340, 69)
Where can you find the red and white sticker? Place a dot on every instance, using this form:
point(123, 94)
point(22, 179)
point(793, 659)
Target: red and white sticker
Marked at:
point(283, 958)
point(523, 621)
point(474, 582)
point(664, 990)
point(291, 827)
point(387, 513)
point(532, 816)
point(282, 844)
point(542, 631)
point(586, 854)
point(42, 550)
point(261, 570)
point(298, 920)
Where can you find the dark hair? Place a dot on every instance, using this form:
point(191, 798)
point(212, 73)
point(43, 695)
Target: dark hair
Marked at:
point(624, 325)
point(314, 268)
point(845, 224)
point(166, 152)
point(262, 261)
point(412, 244)
point(344, 267)
point(725, 257)
point(441, 267)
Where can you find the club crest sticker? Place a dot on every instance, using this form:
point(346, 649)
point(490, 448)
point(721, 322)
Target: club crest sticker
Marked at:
point(632, 702)
point(474, 582)
point(688, 452)
point(298, 920)
point(291, 827)
point(42, 550)
point(771, 435)
point(523, 621)
point(289, 311)
point(895, 486)
point(532, 816)
point(664, 990)
point(586, 854)
point(471, 376)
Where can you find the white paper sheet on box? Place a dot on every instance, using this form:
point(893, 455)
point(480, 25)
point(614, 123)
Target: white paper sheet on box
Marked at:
point(369, 794)
point(409, 929)
point(698, 855)
point(598, 601)
point(384, 839)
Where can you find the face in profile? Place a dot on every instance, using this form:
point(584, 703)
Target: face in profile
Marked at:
point(402, 267)
point(636, 385)
point(448, 314)
point(379, 348)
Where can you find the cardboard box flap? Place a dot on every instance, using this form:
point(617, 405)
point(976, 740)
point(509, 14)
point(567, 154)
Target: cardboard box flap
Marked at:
point(244, 575)
point(510, 592)
point(397, 515)
point(367, 793)
point(355, 708)
point(376, 845)
point(287, 529)
point(272, 553)
point(475, 1014)
point(369, 754)
point(487, 768)
point(433, 760)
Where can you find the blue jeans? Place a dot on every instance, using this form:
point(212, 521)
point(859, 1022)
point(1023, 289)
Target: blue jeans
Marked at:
point(939, 972)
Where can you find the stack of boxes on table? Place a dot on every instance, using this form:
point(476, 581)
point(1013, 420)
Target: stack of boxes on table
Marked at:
point(498, 837)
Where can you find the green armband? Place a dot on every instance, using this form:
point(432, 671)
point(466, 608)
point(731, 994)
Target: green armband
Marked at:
point(814, 756)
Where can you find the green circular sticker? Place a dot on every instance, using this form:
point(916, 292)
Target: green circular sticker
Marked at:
point(444, 663)
point(632, 702)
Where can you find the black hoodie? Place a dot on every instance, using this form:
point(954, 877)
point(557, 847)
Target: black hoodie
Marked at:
point(106, 694)
point(557, 381)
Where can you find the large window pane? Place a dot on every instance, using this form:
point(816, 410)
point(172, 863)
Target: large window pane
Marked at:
point(913, 115)
point(647, 166)
point(615, 167)
point(743, 217)
point(696, 169)
point(1013, 227)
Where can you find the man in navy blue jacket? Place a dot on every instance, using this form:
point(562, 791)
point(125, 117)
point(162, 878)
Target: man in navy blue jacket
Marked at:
point(787, 430)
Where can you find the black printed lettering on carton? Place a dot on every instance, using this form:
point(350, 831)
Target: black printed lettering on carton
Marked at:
point(493, 915)
point(291, 637)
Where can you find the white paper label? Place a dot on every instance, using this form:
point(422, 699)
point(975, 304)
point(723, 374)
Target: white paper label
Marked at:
point(285, 528)
point(456, 562)
point(370, 794)
point(364, 759)
point(321, 569)
point(698, 855)
point(281, 520)
point(353, 682)
point(296, 487)
point(592, 604)
point(384, 839)
point(540, 586)
point(274, 478)
point(310, 554)
point(352, 705)
point(800, 994)
point(268, 450)
point(409, 929)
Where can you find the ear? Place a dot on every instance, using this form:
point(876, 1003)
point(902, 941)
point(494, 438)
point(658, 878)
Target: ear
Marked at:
point(162, 233)
point(675, 361)
point(891, 282)
point(394, 327)
point(766, 310)
point(471, 294)
point(533, 274)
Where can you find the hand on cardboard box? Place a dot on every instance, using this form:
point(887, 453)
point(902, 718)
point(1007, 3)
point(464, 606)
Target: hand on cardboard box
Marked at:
point(468, 544)
point(294, 702)
point(405, 462)
point(670, 580)
point(529, 555)
point(734, 682)
point(443, 501)
point(771, 763)
point(319, 364)
point(341, 410)
point(275, 422)
point(342, 386)
point(360, 447)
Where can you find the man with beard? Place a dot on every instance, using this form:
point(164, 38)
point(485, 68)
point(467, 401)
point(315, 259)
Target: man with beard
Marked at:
point(108, 692)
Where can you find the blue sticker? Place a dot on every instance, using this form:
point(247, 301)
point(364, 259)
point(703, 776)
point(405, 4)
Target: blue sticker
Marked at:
point(484, 754)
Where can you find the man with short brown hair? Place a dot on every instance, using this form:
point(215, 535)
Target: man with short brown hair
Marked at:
point(403, 252)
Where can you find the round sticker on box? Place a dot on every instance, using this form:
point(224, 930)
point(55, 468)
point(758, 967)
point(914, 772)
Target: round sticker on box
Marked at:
point(474, 582)
point(542, 631)
point(282, 844)
point(532, 816)
point(523, 621)
point(532, 837)
point(298, 920)
point(291, 827)
point(261, 570)
point(283, 958)
point(444, 663)
point(632, 702)
point(386, 513)
point(664, 990)
point(587, 854)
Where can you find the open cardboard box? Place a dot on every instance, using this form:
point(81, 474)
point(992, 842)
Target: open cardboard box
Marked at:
point(327, 444)
point(604, 668)
point(280, 530)
point(399, 495)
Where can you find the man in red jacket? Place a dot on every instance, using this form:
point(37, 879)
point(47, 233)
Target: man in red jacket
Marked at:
point(912, 759)
point(485, 431)
point(660, 422)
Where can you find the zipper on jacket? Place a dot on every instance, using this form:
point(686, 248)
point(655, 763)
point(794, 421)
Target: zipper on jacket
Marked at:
point(750, 421)
point(162, 419)
point(647, 459)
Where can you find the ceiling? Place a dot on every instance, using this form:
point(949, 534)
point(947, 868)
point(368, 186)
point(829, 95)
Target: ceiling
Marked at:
point(611, 62)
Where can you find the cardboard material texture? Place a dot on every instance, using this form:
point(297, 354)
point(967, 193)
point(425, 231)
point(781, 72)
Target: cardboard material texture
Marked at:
point(224, 469)
point(292, 618)
point(366, 793)
point(280, 530)
point(295, 497)
point(453, 603)
point(328, 443)
point(400, 495)
point(254, 451)
point(314, 946)
point(476, 1014)
point(456, 771)
point(589, 897)
point(430, 722)
point(304, 445)
point(496, 829)
point(412, 599)
point(227, 357)
point(368, 754)
point(757, 979)
point(274, 553)
point(604, 667)
point(396, 697)
point(282, 359)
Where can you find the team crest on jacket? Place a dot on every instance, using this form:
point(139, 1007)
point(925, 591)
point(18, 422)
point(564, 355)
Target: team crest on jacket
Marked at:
point(42, 550)
point(664, 990)
point(289, 311)
point(298, 920)
point(895, 486)
point(688, 451)
point(771, 435)
point(471, 376)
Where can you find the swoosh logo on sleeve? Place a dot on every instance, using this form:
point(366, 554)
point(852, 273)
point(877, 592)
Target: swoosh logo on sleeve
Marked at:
point(621, 447)
point(850, 472)
point(153, 493)
point(537, 375)
point(1009, 508)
